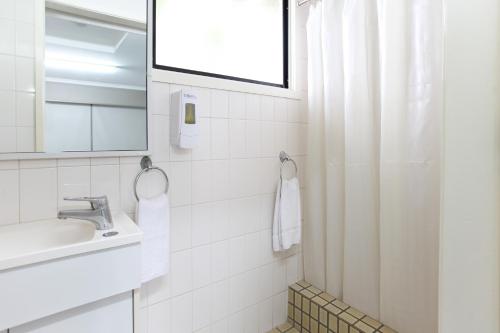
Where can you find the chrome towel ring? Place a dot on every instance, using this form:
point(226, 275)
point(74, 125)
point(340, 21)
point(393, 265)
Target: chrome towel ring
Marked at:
point(146, 166)
point(284, 158)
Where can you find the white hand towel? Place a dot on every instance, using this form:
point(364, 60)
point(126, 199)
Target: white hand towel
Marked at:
point(153, 217)
point(287, 223)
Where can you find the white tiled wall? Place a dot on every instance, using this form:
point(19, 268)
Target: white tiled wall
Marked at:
point(17, 76)
point(223, 275)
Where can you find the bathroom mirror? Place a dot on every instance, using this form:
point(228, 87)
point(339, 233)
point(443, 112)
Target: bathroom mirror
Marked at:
point(79, 80)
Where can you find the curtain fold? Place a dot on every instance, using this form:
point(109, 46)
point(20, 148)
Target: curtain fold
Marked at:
point(375, 105)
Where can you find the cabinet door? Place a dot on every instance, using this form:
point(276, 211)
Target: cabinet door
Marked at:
point(111, 315)
point(67, 127)
point(118, 128)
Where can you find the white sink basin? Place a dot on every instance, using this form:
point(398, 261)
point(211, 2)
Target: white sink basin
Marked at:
point(29, 243)
point(52, 266)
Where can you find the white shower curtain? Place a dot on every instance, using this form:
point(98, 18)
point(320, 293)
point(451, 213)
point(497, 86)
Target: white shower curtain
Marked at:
point(375, 104)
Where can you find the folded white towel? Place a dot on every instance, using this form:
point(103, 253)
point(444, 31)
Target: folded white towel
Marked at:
point(153, 217)
point(287, 223)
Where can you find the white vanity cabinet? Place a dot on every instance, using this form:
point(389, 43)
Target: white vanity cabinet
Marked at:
point(111, 315)
point(66, 276)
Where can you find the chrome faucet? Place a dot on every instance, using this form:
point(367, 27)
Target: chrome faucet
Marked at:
point(99, 213)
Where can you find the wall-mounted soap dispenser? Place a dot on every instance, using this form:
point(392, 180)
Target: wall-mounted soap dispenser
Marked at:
point(184, 127)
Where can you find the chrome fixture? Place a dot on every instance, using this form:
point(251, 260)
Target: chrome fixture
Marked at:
point(284, 158)
point(302, 2)
point(146, 166)
point(99, 213)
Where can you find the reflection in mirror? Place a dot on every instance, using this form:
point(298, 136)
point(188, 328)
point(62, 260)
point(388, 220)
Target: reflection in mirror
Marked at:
point(95, 82)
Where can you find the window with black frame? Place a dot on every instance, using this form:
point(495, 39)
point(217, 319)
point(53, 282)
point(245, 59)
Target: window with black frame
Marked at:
point(242, 40)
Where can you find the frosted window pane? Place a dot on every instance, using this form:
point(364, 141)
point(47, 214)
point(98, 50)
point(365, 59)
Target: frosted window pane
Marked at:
point(238, 38)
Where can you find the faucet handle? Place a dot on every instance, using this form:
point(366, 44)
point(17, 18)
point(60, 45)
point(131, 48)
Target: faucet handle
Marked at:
point(95, 202)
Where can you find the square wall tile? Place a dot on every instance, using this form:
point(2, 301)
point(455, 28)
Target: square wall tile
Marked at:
point(160, 98)
point(280, 109)
point(25, 139)
point(220, 220)
point(180, 232)
point(280, 138)
point(266, 316)
point(202, 307)
point(180, 183)
point(245, 215)
point(220, 180)
point(222, 326)
point(25, 109)
point(293, 110)
point(245, 177)
point(182, 314)
point(8, 139)
point(8, 9)
point(105, 180)
point(128, 172)
point(9, 196)
point(279, 308)
point(104, 161)
point(25, 10)
point(38, 194)
point(252, 102)
point(202, 224)
point(219, 300)
point(159, 318)
point(7, 72)
point(251, 319)
point(182, 272)
point(267, 108)
point(161, 138)
point(7, 36)
point(25, 39)
point(25, 74)
point(237, 133)
point(292, 269)
point(238, 254)
point(267, 139)
point(220, 260)
point(159, 289)
point(266, 282)
point(8, 103)
point(279, 277)
point(219, 138)
point(202, 151)
point(219, 107)
point(202, 266)
point(237, 105)
point(253, 138)
point(73, 182)
point(201, 181)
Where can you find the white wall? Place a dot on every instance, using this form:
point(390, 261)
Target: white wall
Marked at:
point(469, 260)
point(223, 277)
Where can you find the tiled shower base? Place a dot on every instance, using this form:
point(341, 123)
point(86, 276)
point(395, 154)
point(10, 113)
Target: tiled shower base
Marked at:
point(312, 311)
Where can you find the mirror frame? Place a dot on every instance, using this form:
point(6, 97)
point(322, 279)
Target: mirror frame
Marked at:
point(40, 92)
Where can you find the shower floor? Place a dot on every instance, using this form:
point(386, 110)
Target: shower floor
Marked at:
point(285, 328)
